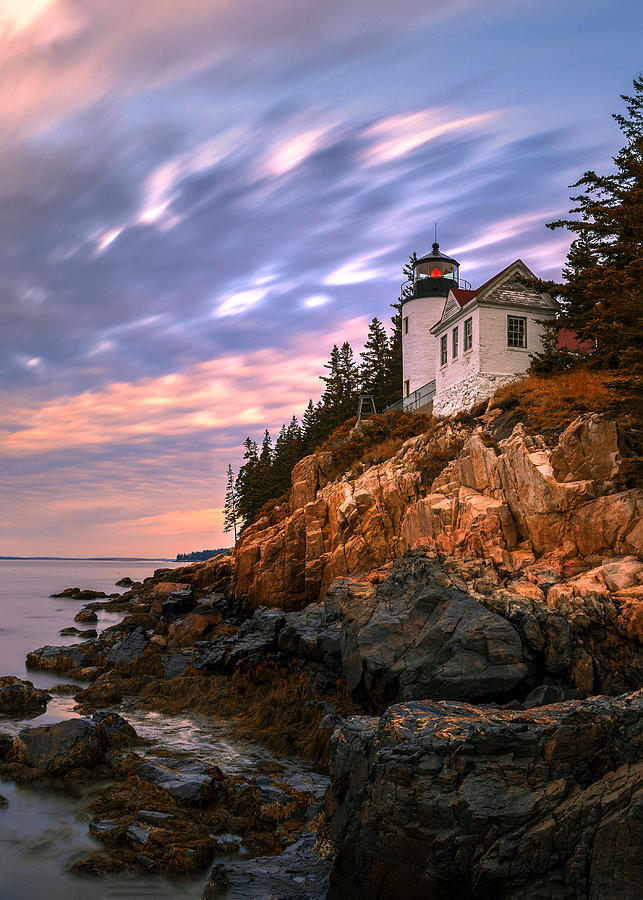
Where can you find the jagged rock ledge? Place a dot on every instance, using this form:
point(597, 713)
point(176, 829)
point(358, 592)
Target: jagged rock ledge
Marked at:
point(447, 800)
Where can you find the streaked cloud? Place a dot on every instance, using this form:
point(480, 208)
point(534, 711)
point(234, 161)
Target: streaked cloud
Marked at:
point(197, 201)
point(399, 135)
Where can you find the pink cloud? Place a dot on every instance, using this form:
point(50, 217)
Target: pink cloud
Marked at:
point(242, 392)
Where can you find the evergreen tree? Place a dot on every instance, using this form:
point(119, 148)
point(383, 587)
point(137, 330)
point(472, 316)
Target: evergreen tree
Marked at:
point(394, 377)
point(230, 507)
point(265, 457)
point(313, 430)
point(339, 400)
point(248, 500)
point(392, 389)
point(294, 444)
point(602, 297)
point(280, 471)
point(374, 370)
point(308, 427)
point(408, 270)
point(552, 359)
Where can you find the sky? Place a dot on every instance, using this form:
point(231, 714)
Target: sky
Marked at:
point(199, 197)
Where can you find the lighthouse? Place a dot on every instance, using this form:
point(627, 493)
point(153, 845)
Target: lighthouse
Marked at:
point(434, 276)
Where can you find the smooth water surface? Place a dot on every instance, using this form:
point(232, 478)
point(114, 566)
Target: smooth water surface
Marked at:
point(30, 618)
point(44, 830)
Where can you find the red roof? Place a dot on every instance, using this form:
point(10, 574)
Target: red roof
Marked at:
point(462, 295)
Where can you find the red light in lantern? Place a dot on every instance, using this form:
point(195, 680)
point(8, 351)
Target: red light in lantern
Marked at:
point(436, 273)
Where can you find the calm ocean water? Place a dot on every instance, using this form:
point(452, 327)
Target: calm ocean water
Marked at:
point(30, 618)
point(43, 830)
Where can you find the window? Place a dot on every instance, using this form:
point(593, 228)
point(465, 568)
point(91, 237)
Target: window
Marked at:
point(406, 325)
point(443, 350)
point(407, 388)
point(468, 335)
point(454, 343)
point(516, 331)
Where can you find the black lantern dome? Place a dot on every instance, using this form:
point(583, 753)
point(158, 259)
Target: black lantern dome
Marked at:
point(435, 274)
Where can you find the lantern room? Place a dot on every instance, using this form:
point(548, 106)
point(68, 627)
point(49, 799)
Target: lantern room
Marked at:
point(435, 274)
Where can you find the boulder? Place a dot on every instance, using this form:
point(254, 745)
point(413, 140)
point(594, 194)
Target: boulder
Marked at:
point(129, 648)
point(257, 637)
point(186, 780)
point(175, 664)
point(446, 799)
point(178, 602)
point(56, 749)
point(588, 448)
point(71, 660)
point(87, 633)
point(117, 730)
point(17, 696)
point(191, 628)
point(86, 615)
point(299, 873)
point(75, 593)
point(416, 636)
point(301, 633)
point(162, 591)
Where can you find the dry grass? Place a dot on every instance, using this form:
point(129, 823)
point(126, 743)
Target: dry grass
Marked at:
point(374, 440)
point(547, 405)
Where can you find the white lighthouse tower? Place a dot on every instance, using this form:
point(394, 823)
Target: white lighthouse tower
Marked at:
point(434, 275)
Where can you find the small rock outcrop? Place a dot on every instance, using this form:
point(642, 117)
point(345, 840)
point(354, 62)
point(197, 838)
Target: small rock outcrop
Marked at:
point(56, 749)
point(17, 696)
point(444, 799)
point(66, 746)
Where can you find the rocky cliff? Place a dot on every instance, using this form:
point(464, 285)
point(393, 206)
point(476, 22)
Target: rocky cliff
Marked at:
point(460, 489)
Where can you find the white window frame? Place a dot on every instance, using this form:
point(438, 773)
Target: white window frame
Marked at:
point(521, 333)
point(454, 343)
point(443, 350)
point(406, 325)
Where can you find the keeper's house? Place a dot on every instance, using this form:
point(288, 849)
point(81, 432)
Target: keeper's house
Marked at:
point(460, 344)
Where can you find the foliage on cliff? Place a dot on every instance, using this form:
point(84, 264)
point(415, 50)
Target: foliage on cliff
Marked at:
point(546, 405)
point(602, 295)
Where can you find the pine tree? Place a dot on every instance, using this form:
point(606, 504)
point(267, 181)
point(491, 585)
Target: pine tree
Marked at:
point(602, 297)
point(394, 377)
point(313, 427)
point(248, 500)
point(374, 370)
point(339, 400)
point(230, 506)
point(280, 471)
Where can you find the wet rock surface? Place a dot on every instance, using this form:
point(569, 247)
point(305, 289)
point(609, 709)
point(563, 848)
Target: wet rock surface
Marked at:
point(299, 873)
point(186, 780)
point(445, 799)
point(18, 696)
